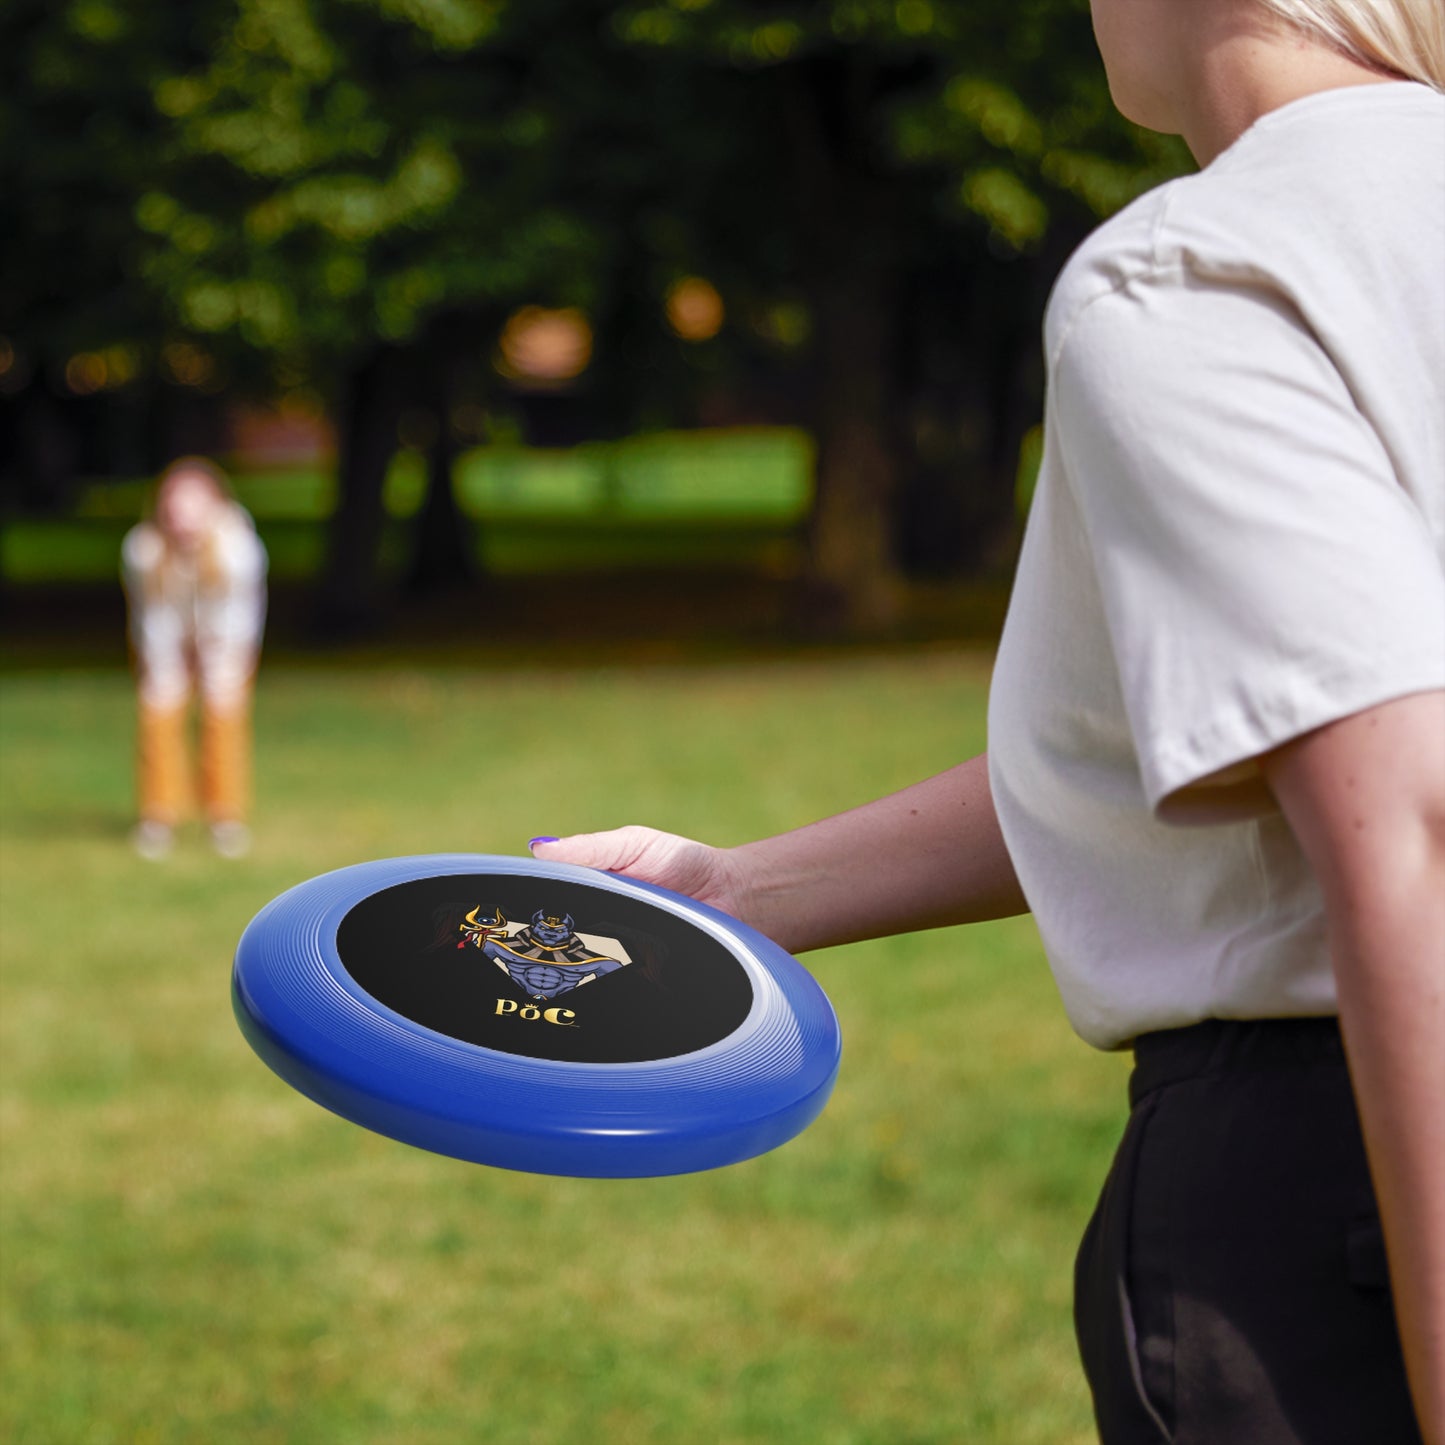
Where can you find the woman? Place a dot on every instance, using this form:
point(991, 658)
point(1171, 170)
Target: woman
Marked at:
point(195, 583)
point(1217, 760)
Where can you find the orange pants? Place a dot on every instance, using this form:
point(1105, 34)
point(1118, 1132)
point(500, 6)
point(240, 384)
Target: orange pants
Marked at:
point(163, 762)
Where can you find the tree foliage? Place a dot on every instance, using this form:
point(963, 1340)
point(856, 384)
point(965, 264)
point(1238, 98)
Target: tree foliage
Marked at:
point(353, 194)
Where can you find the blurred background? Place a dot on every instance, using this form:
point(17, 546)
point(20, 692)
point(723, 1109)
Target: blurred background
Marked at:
point(639, 403)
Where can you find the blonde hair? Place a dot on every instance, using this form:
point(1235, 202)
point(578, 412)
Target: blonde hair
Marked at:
point(1404, 37)
point(211, 572)
point(193, 466)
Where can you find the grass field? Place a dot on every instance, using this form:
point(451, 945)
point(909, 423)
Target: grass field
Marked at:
point(193, 1253)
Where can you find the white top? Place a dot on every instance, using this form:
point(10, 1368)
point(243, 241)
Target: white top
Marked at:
point(1238, 536)
point(196, 619)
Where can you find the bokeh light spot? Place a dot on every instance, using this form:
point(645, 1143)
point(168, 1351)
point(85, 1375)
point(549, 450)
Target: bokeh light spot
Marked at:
point(186, 364)
point(86, 373)
point(695, 311)
point(544, 347)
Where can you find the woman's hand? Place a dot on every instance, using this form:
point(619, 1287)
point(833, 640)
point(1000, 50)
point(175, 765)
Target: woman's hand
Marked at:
point(711, 875)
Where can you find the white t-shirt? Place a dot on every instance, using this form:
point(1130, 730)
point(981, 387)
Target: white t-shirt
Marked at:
point(1238, 536)
point(196, 620)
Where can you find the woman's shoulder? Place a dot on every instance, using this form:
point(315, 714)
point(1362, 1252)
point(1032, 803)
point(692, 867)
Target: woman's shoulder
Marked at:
point(1109, 259)
point(237, 546)
point(236, 520)
point(143, 548)
point(1338, 192)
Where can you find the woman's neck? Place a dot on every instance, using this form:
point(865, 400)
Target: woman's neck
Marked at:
point(1244, 69)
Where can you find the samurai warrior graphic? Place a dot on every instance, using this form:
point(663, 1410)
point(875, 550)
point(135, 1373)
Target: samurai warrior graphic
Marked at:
point(480, 931)
point(546, 958)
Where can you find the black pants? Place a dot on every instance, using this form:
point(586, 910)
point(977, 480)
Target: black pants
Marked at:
point(1231, 1287)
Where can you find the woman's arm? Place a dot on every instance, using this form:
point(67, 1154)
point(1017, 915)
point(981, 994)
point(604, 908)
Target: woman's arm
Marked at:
point(929, 856)
point(1366, 799)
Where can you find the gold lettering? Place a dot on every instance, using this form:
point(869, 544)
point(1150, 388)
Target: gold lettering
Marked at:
point(562, 1017)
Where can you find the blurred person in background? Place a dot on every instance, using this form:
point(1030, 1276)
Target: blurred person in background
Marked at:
point(195, 583)
point(1216, 767)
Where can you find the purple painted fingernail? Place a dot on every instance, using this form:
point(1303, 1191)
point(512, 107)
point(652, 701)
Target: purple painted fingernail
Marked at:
point(532, 843)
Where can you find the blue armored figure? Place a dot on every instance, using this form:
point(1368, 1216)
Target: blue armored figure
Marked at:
point(547, 958)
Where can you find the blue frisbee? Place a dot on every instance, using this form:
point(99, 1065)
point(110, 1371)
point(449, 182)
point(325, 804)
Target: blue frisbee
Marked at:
point(535, 1016)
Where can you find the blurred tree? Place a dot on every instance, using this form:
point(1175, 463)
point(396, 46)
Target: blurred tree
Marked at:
point(79, 139)
point(368, 188)
point(917, 171)
point(353, 195)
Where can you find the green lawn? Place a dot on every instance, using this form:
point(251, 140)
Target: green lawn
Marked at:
point(193, 1253)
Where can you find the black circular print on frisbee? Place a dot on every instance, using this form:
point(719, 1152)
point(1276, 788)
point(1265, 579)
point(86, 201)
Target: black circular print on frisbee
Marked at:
point(544, 968)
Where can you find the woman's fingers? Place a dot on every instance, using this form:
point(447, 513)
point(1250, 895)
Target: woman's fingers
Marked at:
point(669, 861)
point(615, 851)
point(640, 851)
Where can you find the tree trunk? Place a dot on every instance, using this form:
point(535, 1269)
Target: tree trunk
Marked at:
point(47, 450)
point(442, 557)
point(443, 554)
point(349, 599)
point(852, 559)
point(851, 262)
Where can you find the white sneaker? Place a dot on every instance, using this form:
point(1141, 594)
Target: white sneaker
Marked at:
point(152, 840)
point(231, 839)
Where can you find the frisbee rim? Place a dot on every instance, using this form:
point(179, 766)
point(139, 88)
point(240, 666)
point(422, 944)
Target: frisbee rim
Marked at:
point(316, 1027)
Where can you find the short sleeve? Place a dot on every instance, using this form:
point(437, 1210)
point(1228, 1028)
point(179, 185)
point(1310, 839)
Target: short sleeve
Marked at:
point(140, 554)
point(240, 552)
point(1263, 571)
